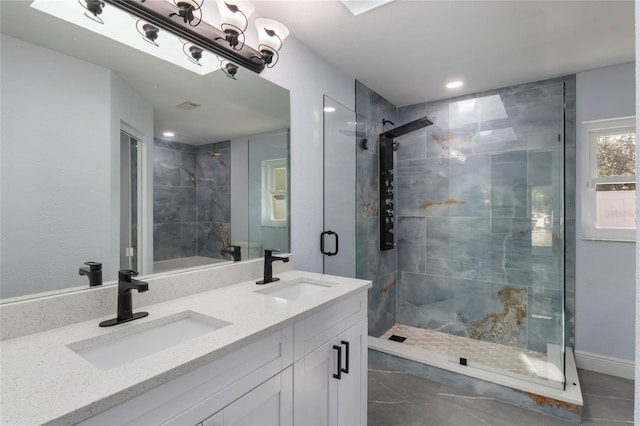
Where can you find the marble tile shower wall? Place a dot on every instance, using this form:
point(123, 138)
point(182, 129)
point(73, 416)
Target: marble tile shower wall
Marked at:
point(191, 199)
point(371, 263)
point(474, 196)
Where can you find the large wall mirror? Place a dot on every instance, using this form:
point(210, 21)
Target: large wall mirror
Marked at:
point(88, 174)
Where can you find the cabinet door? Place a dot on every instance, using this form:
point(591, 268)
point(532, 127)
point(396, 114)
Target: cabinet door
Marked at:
point(352, 386)
point(270, 404)
point(315, 388)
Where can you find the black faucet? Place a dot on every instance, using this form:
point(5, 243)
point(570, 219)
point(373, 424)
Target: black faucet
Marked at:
point(125, 308)
point(94, 272)
point(233, 251)
point(269, 258)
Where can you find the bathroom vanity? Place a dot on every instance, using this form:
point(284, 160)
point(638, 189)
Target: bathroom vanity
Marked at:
point(289, 353)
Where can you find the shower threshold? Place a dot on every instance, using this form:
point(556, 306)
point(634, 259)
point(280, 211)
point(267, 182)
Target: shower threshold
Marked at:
point(435, 364)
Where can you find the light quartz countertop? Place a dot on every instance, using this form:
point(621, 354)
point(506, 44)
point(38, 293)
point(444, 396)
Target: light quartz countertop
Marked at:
point(46, 382)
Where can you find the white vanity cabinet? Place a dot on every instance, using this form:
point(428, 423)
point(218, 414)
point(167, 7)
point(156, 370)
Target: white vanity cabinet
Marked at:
point(330, 377)
point(254, 374)
point(292, 377)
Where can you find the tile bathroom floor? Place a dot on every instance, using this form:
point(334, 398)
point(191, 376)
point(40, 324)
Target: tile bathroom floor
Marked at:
point(398, 398)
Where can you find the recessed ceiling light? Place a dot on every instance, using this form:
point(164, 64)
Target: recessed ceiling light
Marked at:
point(329, 109)
point(168, 134)
point(454, 84)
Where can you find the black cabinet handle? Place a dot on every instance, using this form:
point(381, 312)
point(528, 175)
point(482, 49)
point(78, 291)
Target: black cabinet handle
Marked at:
point(346, 345)
point(339, 374)
point(328, 253)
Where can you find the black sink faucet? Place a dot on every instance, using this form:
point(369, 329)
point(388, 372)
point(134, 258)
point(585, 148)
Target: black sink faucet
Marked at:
point(94, 272)
point(125, 307)
point(233, 251)
point(269, 258)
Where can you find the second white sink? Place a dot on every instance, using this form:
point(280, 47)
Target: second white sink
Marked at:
point(140, 340)
point(297, 289)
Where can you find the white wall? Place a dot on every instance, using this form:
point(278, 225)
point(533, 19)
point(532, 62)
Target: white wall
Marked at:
point(49, 129)
point(605, 271)
point(308, 77)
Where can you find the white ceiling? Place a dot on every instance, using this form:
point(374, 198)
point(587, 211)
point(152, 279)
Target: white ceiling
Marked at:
point(407, 50)
point(404, 50)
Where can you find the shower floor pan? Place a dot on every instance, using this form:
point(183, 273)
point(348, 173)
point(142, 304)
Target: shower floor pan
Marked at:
point(512, 375)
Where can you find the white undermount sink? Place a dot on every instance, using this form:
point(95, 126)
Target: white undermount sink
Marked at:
point(297, 289)
point(136, 341)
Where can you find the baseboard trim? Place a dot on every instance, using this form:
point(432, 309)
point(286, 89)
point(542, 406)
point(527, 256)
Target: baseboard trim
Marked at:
point(605, 364)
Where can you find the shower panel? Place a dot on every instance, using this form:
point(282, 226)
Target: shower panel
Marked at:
point(387, 147)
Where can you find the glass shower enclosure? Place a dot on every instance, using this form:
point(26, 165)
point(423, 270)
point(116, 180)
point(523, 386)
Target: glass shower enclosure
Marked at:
point(504, 223)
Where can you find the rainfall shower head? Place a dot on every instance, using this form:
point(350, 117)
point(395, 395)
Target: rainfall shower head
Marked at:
point(408, 128)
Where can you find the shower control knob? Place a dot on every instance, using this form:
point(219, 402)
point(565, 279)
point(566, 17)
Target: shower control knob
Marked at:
point(388, 202)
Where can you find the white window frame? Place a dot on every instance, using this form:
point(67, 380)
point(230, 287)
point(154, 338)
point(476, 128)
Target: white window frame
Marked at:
point(268, 191)
point(593, 130)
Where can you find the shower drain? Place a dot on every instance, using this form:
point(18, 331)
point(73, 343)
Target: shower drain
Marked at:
point(397, 338)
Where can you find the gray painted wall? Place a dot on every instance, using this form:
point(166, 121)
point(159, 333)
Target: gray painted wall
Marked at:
point(605, 271)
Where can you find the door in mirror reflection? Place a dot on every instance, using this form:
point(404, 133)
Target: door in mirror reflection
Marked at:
point(129, 148)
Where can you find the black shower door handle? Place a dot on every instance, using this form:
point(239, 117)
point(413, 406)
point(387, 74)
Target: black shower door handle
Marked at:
point(328, 253)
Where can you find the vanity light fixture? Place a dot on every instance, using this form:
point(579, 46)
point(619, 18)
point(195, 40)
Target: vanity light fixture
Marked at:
point(95, 7)
point(179, 17)
point(228, 68)
point(234, 15)
point(271, 34)
point(193, 52)
point(148, 32)
point(186, 9)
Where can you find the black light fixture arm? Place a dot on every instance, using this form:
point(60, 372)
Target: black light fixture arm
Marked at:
point(165, 15)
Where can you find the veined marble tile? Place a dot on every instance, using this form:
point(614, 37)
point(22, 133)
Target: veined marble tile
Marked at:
point(422, 187)
point(188, 239)
point(165, 236)
point(470, 248)
point(212, 237)
point(438, 134)
point(411, 244)
point(367, 194)
point(214, 164)
point(545, 312)
point(382, 304)
point(437, 246)
point(167, 165)
point(509, 188)
point(470, 185)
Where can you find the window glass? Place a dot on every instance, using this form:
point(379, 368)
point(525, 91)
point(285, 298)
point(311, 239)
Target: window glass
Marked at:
point(609, 199)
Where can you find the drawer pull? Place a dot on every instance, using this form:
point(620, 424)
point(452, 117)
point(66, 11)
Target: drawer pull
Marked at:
point(346, 367)
point(339, 374)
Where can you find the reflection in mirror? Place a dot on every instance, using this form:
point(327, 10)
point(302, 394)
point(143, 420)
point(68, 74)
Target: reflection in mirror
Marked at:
point(87, 173)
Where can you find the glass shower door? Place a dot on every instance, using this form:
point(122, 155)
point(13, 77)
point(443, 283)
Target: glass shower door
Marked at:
point(505, 211)
point(338, 241)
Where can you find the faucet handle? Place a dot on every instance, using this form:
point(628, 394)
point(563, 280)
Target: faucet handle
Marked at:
point(94, 266)
point(126, 274)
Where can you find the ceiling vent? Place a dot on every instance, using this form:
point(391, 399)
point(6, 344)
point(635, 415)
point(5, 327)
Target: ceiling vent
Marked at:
point(187, 105)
